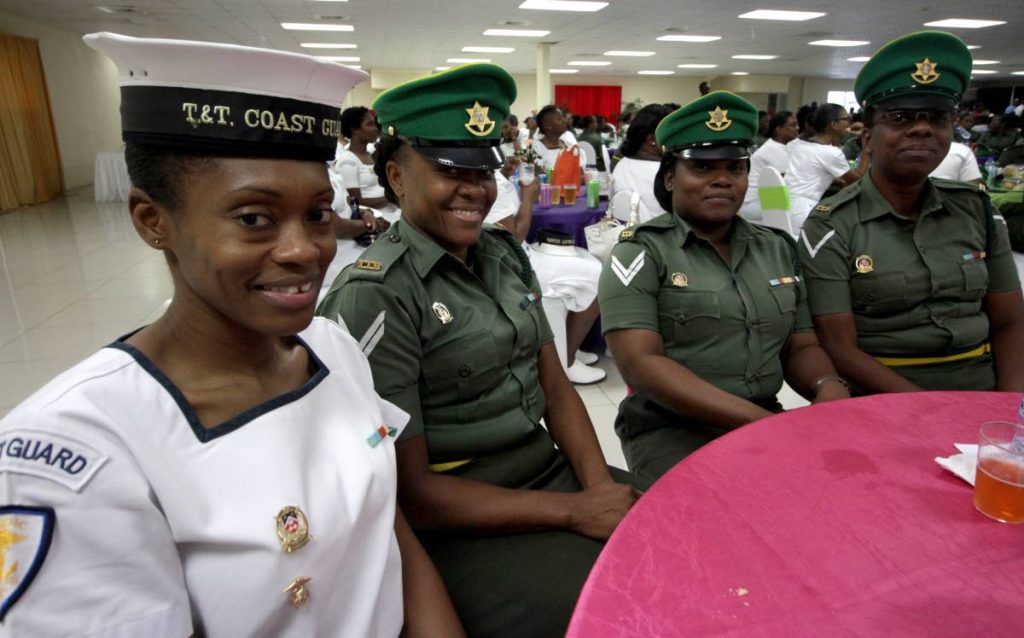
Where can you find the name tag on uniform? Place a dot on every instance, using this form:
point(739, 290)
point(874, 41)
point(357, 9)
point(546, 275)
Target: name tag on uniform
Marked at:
point(782, 281)
point(51, 456)
point(977, 254)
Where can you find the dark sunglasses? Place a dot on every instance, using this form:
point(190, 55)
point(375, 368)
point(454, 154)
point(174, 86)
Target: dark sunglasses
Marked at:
point(902, 119)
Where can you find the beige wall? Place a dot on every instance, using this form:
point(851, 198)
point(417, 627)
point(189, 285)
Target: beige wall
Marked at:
point(84, 96)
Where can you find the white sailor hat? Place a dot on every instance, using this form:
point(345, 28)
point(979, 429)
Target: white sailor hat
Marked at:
point(227, 99)
point(555, 242)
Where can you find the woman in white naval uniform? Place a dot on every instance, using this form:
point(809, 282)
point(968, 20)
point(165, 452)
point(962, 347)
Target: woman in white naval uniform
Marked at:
point(217, 472)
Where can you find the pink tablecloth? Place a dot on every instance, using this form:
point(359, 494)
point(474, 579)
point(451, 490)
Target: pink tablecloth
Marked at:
point(832, 520)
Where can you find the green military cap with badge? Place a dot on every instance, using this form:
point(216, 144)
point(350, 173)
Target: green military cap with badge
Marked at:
point(719, 125)
point(924, 70)
point(453, 117)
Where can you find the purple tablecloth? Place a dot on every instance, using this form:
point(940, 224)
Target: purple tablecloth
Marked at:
point(568, 219)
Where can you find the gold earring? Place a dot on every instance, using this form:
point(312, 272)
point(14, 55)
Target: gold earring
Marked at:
point(156, 242)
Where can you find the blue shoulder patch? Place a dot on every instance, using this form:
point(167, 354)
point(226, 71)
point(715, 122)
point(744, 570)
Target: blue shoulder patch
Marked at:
point(25, 535)
point(48, 455)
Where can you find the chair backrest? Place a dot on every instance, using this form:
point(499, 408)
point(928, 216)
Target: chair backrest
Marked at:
point(589, 152)
point(620, 205)
point(773, 195)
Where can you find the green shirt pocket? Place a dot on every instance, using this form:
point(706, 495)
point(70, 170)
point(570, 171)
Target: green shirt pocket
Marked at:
point(878, 291)
point(975, 280)
point(462, 368)
point(785, 297)
point(688, 315)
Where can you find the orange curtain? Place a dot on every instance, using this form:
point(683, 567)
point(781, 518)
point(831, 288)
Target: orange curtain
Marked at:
point(30, 169)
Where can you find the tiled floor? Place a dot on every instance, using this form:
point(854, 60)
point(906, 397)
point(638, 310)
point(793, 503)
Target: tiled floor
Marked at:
point(74, 276)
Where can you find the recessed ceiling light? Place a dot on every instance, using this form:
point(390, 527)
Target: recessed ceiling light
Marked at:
point(466, 60)
point(563, 5)
point(690, 38)
point(116, 8)
point(630, 54)
point(983, 71)
point(961, 23)
point(984, 62)
point(655, 72)
point(697, 66)
point(588, 63)
point(305, 26)
point(517, 33)
point(789, 16)
point(973, 46)
point(563, 71)
point(838, 43)
point(326, 45)
point(859, 58)
point(754, 57)
point(441, 68)
point(338, 58)
point(739, 73)
point(1017, 73)
point(488, 49)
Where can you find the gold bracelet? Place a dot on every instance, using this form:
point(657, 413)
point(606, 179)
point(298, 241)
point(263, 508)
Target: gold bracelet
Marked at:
point(822, 381)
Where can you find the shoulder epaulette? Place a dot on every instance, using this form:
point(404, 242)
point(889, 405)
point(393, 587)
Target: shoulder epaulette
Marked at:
point(659, 224)
point(375, 261)
point(949, 184)
point(830, 204)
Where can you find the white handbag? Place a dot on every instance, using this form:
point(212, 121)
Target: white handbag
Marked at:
point(602, 236)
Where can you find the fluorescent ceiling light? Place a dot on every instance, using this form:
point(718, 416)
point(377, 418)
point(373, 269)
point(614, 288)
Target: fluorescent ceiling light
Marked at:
point(588, 63)
point(754, 57)
point(352, 66)
point(630, 54)
point(563, 71)
point(466, 60)
point(859, 58)
point(690, 38)
point(326, 45)
point(961, 23)
point(488, 49)
point(984, 62)
point(562, 5)
point(441, 68)
point(838, 43)
point(655, 72)
point(1017, 73)
point(973, 46)
point(697, 66)
point(789, 16)
point(739, 73)
point(517, 33)
point(338, 58)
point(982, 72)
point(304, 26)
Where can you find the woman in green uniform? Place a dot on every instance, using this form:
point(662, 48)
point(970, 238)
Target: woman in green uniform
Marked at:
point(704, 312)
point(449, 314)
point(910, 280)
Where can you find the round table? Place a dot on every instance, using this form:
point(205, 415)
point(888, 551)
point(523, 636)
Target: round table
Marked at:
point(832, 520)
point(568, 219)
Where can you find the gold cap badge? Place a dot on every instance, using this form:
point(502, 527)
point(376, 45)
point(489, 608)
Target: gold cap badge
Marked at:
point(298, 593)
point(479, 124)
point(292, 529)
point(925, 73)
point(441, 312)
point(719, 120)
point(864, 264)
point(679, 280)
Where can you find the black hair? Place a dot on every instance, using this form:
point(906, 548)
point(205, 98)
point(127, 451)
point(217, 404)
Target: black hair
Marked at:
point(386, 149)
point(543, 113)
point(662, 194)
point(352, 118)
point(819, 120)
point(672, 106)
point(587, 121)
point(777, 120)
point(643, 124)
point(512, 120)
point(160, 172)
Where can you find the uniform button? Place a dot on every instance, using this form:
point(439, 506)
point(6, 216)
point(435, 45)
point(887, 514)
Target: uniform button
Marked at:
point(465, 371)
point(871, 296)
point(924, 251)
point(751, 323)
point(394, 239)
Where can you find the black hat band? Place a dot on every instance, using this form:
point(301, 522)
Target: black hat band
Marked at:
point(555, 237)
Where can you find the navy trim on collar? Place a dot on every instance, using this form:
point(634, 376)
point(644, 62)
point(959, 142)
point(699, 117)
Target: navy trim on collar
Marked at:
point(205, 435)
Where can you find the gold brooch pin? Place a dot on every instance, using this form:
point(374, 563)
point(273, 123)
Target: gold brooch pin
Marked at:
point(480, 123)
point(925, 73)
point(298, 593)
point(442, 313)
point(719, 120)
point(679, 280)
point(292, 529)
point(864, 264)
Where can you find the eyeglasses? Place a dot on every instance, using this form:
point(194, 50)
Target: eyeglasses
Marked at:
point(904, 119)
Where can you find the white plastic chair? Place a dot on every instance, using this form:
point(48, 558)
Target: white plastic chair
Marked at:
point(589, 154)
point(620, 205)
point(556, 312)
point(775, 203)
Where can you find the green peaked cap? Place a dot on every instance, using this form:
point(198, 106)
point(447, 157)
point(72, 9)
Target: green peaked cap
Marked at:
point(453, 117)
point(719, 125)
point(928, 69)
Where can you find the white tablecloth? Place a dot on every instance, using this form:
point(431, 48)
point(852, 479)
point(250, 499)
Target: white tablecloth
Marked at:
point(111, 181)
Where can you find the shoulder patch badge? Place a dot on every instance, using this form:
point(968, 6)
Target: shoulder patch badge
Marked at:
point(864, 264)
point(25, 535)
point(813, 250)
point(627, 273)
point(50, 456)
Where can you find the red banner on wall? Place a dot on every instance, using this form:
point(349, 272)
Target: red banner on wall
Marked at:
point(585, 99)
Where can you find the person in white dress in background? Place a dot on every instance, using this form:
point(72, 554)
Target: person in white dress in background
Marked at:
point(816, 161)
point(959, 165)
point(782, 129)
point(553, 136)
point(641, 157)
point(229, 469)
point(359, 125)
